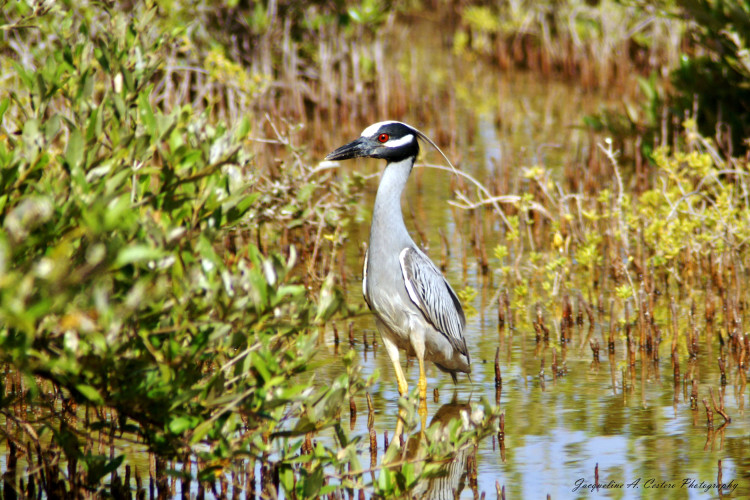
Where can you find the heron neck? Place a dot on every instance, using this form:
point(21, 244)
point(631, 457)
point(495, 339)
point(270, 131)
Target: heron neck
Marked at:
point(387, 219)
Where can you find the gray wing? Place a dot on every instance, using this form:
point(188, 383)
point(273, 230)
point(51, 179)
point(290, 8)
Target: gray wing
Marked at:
point(432, 294)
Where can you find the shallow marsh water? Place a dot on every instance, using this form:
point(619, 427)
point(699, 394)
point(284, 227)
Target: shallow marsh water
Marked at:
point(634, 423)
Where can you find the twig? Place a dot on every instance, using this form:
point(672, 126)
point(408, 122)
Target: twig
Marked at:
point(479, 186)
point(612, 156)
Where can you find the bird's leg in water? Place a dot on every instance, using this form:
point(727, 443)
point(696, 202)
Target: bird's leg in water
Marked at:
point(392, 350)
point(399, 429)
point(403, 386)
point(422, 394)
point(422, 381)
point(417, 341)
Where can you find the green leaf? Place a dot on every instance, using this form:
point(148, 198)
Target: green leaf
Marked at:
point(147, 113)
point(286, 478)
point(137, 253)
point(237, 206)
point(386, 481)
point(433, 470)
point(201, 430)
point(242, 129)
point(4, 107)
point(409, 475)
point(74, 151)
point(306, 192)
point(90, 393)
point(98, 466)
point(179, 425)
point(52, 127)
point(313, 483)
point(94, 128)
point(330, 299)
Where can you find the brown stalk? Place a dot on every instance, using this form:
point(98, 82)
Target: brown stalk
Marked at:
point(587, 307)
point(722, 369)
point(692, 334)
point(611, 341)
point(596, 475)
point(445, 251)
point(673, 311)
point(594, 344)
point(498, 377)
point(709, 415)
point(501, 311)
point(642, 317)
point(567, 319)
point(553, 367)
point(370, 412)
point(541, 330)
point(373, 447)
point(694, 394)
point(479, 245)
point(719, 408)
point(508, 315)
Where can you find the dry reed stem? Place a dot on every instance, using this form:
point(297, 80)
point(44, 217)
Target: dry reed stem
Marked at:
point(719, 408)
point(498, 376)
point(709, 415)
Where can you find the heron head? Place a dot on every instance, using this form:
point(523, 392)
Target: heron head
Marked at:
point(389, 140)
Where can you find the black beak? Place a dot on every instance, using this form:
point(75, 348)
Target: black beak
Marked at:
point(355, 149)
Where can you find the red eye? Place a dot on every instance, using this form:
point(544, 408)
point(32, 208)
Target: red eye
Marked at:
point(383, 138)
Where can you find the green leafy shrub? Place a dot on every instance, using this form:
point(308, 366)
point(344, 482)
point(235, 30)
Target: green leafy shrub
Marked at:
point(714, 80)
point(708, 83)
point(138, 285)
point(128, 280)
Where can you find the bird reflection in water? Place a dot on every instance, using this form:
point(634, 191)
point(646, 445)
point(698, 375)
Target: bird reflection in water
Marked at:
point(455, 473)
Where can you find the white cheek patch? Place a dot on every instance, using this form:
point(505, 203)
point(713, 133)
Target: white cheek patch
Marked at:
point(370, 131)
point(399, 142)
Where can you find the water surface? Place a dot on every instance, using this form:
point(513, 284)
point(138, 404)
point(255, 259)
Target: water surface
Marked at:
point(635, 423)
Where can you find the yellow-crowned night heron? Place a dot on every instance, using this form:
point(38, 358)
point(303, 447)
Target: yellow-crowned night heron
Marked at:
point(415, 308)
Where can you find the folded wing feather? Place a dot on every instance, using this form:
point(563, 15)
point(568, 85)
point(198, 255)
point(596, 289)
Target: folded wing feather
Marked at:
point(432, 294)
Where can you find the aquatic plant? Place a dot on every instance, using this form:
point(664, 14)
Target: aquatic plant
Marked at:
point(172, 254)
point(711, 82)
point(598, 43)
point(162, 288)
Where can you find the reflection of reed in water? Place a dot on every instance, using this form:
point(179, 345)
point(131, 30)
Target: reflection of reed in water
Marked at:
point(449, 485)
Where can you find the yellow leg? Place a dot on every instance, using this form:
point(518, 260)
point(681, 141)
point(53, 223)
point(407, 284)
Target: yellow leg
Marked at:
point(403, 390)
point(422, 381)
point(422, 393)
point(392, 350)
point(403, 385)
point(399, 429)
